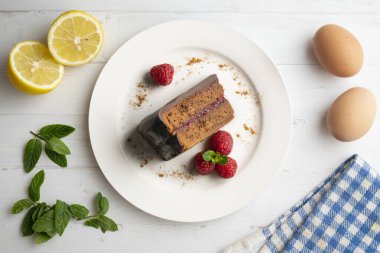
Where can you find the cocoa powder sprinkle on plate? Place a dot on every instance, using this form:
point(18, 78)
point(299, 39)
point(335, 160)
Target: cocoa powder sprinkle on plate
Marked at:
point(140, 97)
point(144, 159)
point(249, 129)
point(242, 92)
point(193, 60)
point(177, 174)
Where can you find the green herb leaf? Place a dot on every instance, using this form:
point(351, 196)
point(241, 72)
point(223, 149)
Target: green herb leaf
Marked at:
point(214, 160)
point(35, 185)
point(102, 204)
point(56, 145)
point(56, 130)
point(27, 223)
point(32, 154)
point(20, 205)
point(45, 223)
point(208, 155)
point(41, 209)
point(223, 160)
point(79, 212)
point(107, 224)
point(56, 158)
point(61, 217)
point(92, 222)
point(42, 237)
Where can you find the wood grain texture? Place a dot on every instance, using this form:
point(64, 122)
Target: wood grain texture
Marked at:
point(284, 29)
point(265, 6)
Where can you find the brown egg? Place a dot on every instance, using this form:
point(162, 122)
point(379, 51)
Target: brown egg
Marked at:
point(352, 114)
point(338, 51)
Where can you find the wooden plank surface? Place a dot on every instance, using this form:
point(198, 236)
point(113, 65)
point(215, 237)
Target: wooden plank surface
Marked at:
point(284, 29)
point(264, 6)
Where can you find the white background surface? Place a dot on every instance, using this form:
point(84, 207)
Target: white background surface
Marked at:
point(284, 29)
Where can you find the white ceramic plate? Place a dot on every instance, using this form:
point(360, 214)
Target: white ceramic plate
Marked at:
point(261, 127)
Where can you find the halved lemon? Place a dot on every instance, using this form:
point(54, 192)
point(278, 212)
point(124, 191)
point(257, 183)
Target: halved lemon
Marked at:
point(75, 38)
point(32, 69)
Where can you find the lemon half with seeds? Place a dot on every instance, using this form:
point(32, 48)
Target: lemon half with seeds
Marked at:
point(75, 38)
point(32, 69)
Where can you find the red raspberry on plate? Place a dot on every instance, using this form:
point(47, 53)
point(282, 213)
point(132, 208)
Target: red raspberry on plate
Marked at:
point(203, 167)
point(162, 74)
point(222, 142)
point(227, 170)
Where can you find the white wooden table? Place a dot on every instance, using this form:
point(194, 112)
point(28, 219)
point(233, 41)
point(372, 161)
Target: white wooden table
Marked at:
point(284, 29)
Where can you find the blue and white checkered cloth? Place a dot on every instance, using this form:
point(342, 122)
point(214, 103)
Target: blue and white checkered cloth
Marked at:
point(342, 214)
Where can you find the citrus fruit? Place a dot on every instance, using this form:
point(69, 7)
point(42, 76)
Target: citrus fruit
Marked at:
point(75, 38)
point(32, 69)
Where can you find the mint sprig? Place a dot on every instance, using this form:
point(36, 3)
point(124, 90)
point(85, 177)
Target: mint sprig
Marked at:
point(100, 220)
point(214, 157)
point(46, 221)
point(55, 148)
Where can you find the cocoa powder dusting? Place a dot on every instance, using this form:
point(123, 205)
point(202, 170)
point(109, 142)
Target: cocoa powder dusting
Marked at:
point(178, 174)
point(140, 97)
point(222, 66)
point(242, 92)
point(257, 100)
point(249, 129)
point(144, 159)
point(193, 60)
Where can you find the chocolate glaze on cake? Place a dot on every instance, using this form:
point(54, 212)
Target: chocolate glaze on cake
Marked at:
point(188, 119)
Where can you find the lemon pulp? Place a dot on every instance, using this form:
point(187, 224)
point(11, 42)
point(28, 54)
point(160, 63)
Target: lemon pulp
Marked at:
point(75, 38)
point(32, 69)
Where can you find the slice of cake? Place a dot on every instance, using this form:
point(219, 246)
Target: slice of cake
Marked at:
point(188, 119)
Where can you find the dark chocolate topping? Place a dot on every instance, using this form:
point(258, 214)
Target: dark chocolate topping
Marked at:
point(156, 133)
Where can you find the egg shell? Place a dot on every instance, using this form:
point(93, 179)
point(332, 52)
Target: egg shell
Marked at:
point(352, 114)
point(338, 51)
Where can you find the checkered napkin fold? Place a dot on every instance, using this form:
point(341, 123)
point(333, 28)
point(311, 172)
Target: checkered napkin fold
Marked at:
point(342, 214)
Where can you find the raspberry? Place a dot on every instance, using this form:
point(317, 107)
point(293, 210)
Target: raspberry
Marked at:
point(228, 170)
point(162, 74)
point(203, 167)
point(222, 142)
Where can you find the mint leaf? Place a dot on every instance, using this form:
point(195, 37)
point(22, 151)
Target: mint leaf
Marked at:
point(61, 217)
point(102, 204)
point(35, 185)
point(208, 155)
point(56, 130)
point(223, 160)
point(45, 223)
point(56, 158)
point(41, 209)
point(56, 145)
point(32, 154)
point(79, 212)
point(20, 205)
point(27, 222)
point(107, 224)
point(92, 222)
point(42, 237)
point(214, 160)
